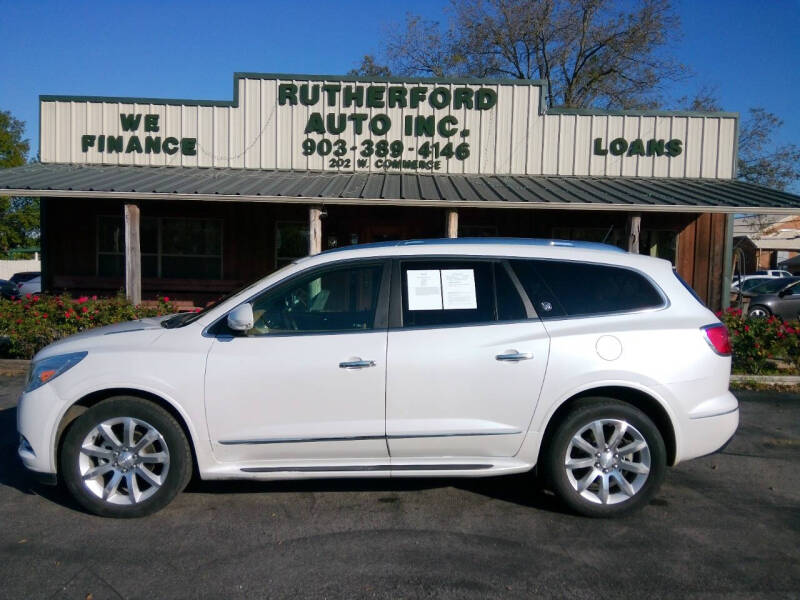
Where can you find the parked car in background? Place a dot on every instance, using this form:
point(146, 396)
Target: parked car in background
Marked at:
point(31, 286)
point(24, 276)
point(773, 273)
point(432, 358)
point(770, 285)
point(8, 290)
point(748, 282)
point(781, 301)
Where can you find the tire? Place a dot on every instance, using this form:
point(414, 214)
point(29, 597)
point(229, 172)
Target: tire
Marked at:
point(759, 312)
point(125, 457)
point(600, 482)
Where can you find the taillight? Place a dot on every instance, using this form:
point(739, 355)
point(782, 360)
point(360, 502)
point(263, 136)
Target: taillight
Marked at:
point(718, 338)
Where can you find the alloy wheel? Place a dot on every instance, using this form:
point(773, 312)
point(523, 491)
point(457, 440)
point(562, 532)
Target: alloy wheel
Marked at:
point(607, 461)
point(123, 460)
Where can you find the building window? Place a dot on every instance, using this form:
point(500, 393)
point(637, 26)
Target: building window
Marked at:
point(469, 231)
point(661, 243)
point(607, 235)
point(291, 242)
point(172, 248)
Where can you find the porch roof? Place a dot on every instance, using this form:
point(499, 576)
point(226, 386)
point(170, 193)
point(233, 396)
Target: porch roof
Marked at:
point(403, 189)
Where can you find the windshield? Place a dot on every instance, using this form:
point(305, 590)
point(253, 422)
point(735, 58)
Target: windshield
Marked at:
point(183, 319)
point(773, 286)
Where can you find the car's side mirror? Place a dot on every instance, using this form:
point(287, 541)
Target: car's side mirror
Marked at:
point(241, 317)
point(782, 293)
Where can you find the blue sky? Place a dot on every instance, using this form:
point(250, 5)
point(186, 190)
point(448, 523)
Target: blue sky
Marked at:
point(745, 50)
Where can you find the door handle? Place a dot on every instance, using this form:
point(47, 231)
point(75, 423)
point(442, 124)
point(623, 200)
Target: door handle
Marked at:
point(356, 364)
point(514, 356)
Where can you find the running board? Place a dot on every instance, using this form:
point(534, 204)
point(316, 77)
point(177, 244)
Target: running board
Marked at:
point(344, 468)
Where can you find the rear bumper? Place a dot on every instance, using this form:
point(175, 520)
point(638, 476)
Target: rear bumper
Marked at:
point(706, 435)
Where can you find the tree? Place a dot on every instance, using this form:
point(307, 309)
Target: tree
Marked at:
point(604, 53)
point(19, 217)
point(369, 68)
point(19, 223)
point(13, 148)
point(760, 160)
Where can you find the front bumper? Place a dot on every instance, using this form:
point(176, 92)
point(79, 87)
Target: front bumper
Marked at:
point(38, 414)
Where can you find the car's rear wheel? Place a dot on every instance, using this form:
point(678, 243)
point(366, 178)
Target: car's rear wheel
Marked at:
point(606, 459)
point(125, 457)
point(759, 312)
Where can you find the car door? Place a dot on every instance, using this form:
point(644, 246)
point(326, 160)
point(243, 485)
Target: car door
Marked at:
point(466, 359)
point(787, 305)
point(308, 380)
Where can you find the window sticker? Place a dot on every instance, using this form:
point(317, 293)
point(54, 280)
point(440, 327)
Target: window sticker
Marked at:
point(424, 290)
point(458, 289)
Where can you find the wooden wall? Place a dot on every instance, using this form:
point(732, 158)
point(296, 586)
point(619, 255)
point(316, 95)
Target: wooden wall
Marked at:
point(701, 256)
point(70, 239)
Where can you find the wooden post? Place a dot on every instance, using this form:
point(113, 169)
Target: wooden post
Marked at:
point(634, 227)
point(44, 236)
point(314, 230)
point(451, 223)
point(133, 255)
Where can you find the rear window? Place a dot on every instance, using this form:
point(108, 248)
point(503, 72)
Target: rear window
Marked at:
point(23, 277)
point(574, 289)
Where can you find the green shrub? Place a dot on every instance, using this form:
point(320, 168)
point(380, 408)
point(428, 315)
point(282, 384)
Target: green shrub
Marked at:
point(759, 343)
point(31, 323)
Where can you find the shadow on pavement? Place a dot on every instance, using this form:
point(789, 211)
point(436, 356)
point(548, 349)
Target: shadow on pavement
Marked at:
point(518, 489)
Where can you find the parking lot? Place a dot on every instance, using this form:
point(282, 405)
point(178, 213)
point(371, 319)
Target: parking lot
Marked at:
point(727, 525)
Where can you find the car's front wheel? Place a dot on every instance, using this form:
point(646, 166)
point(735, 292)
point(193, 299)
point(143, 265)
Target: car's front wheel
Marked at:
point(606, 458)
point(125, 457)
point(759, 312)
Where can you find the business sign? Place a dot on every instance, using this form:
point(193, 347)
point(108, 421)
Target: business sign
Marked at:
point(422, 126)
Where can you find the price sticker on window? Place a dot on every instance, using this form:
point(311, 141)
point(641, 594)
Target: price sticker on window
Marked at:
point(424, 289)
point(458, 289)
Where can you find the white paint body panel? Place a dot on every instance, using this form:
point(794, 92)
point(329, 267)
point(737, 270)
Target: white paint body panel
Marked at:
point(516, 137)
point(446, 381)
point(437, 381)
point(267, 389)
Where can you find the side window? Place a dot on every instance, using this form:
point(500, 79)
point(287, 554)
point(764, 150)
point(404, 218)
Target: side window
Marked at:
point(545, 302)
point(509, 304)
point(446, 292)
point(793, 290)
point(577, 289)
point(336, 299)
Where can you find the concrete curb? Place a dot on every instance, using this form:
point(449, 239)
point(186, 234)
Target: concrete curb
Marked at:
point(767, 379)
point(9, 366)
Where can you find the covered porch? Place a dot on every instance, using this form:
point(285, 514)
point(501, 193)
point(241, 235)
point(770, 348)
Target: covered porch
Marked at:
point(194, 234)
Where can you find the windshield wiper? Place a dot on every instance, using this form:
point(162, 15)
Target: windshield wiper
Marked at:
point(178, 320)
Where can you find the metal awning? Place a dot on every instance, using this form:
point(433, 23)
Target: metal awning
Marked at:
point(397, 189)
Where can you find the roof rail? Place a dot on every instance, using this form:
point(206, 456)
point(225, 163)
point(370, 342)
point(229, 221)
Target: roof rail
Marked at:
point(486, 241)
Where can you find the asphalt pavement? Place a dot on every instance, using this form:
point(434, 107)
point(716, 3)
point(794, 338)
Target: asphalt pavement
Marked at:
point(726, 525)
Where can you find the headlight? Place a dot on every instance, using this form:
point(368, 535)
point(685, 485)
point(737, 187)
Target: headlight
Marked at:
point(48, 369)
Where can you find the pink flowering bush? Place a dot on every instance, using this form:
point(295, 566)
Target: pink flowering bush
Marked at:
point(760, 345)
point(33, 322)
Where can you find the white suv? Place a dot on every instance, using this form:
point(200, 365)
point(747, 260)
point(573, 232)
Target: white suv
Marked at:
point(466, 358)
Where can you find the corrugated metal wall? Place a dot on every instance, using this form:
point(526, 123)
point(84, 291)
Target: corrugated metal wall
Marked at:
point(512, 138)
